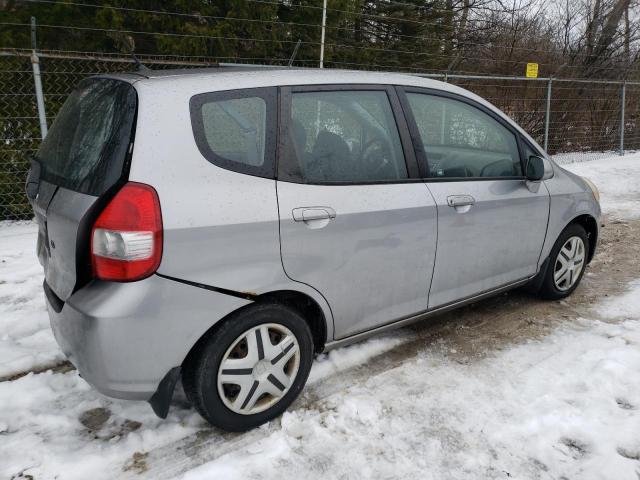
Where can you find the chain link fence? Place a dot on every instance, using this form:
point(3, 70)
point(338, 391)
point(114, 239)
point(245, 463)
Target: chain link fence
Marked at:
point(574, 119)
point(19, 120)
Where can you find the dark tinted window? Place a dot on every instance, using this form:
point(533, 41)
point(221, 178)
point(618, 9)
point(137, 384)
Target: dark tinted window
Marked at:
point(86, 146)
point(529, 150)
point(235, 129)
point(463, 141)
point(343, 136)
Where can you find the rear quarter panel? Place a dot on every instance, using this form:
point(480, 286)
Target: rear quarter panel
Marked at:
point(221, 228)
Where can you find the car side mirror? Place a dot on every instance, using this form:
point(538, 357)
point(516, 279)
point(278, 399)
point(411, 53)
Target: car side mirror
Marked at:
point(33, 180)
point(535, 168)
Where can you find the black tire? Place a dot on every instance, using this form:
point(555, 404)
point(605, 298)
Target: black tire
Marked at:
point(200, 370)
point(548, 289)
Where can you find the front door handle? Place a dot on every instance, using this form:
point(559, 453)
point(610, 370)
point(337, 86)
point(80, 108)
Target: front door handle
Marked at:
point(460, 200)
point(461, 203)
point(306, 214)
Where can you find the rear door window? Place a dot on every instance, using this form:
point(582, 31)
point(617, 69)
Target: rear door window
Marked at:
point(86, 147)
point(235, 129)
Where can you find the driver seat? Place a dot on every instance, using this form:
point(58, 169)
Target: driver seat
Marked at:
point(331, 158)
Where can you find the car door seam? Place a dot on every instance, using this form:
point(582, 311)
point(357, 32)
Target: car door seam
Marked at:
point(435, 253)
point(285, 270)
point(546, 231)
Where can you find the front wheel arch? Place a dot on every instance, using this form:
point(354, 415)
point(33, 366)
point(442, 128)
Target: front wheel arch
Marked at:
point(590, 224)
point(543, 283)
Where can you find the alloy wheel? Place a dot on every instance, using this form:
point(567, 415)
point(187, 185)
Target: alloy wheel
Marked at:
point(258, 369)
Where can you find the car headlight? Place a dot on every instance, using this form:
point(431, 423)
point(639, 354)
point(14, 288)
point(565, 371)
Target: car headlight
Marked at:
point(593, 188)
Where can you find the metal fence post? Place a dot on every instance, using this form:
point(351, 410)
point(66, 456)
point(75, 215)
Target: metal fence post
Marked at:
point(35, 64)
point(324, 25)
point(547, 116)
point(622, 102)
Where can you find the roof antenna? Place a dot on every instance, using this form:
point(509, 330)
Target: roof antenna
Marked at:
point(295, 52)
point(139, 66)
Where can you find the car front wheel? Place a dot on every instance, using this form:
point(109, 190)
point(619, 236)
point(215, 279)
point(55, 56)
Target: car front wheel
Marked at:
point(567, 263)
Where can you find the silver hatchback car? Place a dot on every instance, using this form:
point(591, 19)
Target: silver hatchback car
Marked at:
point(222, 226)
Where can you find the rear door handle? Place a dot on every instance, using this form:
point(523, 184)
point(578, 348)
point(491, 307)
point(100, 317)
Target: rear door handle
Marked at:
point(306, 214)
point(460, 200)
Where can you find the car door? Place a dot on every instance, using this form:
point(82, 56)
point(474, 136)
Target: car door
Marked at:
point(356, 222)
point(491, 221)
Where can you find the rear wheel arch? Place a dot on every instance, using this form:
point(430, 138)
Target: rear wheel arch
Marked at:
point(308, 309)
point(302, 303)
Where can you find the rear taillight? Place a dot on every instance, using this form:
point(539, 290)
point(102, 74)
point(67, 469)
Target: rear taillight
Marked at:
point(126, 240)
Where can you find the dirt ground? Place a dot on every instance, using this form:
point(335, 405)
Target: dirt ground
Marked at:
point(469, 334)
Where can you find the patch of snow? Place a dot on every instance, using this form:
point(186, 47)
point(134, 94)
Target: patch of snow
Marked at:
point(343, 358)
point(42, 435)
point(565, 406)
point(26, 341)
point(618, 180)
point(579, 157)
point(40, 429)
point(622, 307)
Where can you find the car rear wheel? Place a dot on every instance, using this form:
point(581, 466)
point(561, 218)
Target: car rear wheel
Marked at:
point(250, 369)
point(567, 263)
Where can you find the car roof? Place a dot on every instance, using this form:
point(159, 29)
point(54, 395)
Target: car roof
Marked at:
point(175, 72)
point(201, 80)
point(189, 82)
point(273, 75)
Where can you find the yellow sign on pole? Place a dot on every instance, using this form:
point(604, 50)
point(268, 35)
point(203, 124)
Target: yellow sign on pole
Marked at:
point(532, 70)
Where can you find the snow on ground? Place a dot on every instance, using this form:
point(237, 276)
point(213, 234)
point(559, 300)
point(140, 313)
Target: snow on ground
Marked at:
point(564, 407)
point(26, 340)
point(618, 180)
point(568, 404)
point(626, 306)
point(41, 433)
point(573, 157)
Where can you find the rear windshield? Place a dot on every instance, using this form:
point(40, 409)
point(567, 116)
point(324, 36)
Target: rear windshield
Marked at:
point(86, 146)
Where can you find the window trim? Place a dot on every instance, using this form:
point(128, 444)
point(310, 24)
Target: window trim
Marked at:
point(286, 92)
point(526, 143)
point(270, 97)
point(421, 155)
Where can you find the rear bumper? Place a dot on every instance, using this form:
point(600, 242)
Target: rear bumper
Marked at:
point(125, 337)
